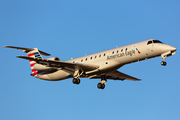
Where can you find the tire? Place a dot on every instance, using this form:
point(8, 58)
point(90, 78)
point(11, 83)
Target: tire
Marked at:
point(78, 81)
point(102, 86)
point(74, 81)
point(99, 85)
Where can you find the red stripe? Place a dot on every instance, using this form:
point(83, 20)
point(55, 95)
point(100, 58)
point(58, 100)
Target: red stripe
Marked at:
point(32, 64)
point(31, 54)
point(34, 73)
point(30, 60)
point(33, 70)
point(139, 52)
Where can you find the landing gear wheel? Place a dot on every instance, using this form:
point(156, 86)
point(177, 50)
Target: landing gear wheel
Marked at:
point(76, 81)
point(101, 86)
point(163, 63)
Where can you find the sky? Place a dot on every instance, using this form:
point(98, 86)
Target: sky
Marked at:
point(72, 28)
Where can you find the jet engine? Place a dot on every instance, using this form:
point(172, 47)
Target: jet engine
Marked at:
point(54, 58)
point(45, 67)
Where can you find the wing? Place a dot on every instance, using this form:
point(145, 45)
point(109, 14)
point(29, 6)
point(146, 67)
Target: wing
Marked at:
point(122, 76)
point(116, 75)
point(85, 67)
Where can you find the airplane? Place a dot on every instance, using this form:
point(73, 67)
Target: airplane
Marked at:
point(102, 65)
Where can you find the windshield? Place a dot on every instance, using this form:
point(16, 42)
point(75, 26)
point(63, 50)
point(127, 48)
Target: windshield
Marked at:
point(156, 41)
point(149, 42)
point(153, 41)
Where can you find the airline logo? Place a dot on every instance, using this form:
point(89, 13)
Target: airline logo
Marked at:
point(36, 55)
point(138, 51)
point(126, 53)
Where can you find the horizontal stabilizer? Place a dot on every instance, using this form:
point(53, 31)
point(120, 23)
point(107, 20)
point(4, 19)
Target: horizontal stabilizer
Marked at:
point(27, 49)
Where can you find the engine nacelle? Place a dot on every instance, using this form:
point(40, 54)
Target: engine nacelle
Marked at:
point(41, 67)
point(54, 58)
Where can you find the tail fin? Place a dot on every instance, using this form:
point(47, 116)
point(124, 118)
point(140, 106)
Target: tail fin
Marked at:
point(31, 53)
point(34, 53)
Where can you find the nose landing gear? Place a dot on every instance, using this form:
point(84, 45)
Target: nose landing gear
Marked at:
point(163, 63)
point(165, 55)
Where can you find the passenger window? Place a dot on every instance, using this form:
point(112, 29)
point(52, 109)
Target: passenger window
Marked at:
point(113, 52)
point(91, 58)
point(95, 56)
point(99, 55)
point(86, 59)
point(104, 54)
point(82, 60)
point(121, 50)
point(117, 51)
point(126, 49)
point(149, 42)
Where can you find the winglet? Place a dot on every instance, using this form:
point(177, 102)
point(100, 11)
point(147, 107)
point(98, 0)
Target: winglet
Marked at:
point(27, 49)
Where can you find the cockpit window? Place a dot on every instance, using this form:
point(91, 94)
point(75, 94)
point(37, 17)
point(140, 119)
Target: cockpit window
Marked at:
point(156, 41)
point(149, 42)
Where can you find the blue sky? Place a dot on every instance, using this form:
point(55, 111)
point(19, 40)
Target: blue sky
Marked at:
point(74, 28)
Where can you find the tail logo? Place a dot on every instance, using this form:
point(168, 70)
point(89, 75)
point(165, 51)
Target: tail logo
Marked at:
point(32, 63)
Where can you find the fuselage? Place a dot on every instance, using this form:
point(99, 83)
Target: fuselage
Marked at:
point(113, 59)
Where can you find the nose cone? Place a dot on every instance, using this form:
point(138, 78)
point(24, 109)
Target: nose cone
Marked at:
point(171, 48)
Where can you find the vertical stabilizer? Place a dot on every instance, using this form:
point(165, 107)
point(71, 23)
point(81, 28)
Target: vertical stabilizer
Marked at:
point(33, 53)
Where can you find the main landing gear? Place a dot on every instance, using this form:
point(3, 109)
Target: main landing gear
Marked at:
point(76, 81)
point(101, 85)
point(78, 72)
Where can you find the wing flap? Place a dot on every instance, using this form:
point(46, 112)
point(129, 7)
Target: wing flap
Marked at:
point(85, 67)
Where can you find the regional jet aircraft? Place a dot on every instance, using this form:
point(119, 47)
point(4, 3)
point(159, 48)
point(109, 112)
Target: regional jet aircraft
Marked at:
point(101, 65)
